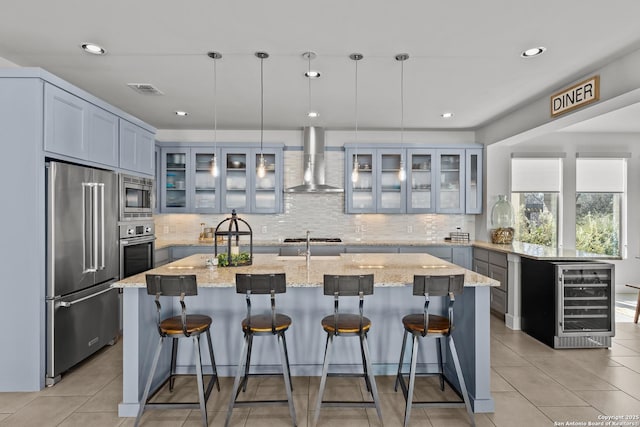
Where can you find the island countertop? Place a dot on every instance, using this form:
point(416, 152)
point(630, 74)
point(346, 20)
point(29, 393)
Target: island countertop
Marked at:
point(388, 269)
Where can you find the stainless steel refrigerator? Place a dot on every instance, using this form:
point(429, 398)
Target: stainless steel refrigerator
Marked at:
point(82, 310)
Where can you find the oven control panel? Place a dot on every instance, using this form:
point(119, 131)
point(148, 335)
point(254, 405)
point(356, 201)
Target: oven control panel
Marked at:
point(137, 229)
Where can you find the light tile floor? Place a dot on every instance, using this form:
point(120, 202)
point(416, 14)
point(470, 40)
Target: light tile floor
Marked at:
point(532, 385)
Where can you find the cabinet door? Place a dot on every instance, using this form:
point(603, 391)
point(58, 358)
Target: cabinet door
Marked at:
point(461, 255)
point(66, 119)
point(473, 181)
point(136, 148)
point(266, 191)
point(235, 164)
point(175, 180)
point(205, 192)
point(481, 267)
point(500, 274)
point(360, 195)
point(391, 189)
point(450, 190)
point(420, 196)
point(103, 136)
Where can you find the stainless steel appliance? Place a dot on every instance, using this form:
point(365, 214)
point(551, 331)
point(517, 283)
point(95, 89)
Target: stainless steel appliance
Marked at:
point(82, 311)
point(136, 198)
point(136, 247)
point(568, 304)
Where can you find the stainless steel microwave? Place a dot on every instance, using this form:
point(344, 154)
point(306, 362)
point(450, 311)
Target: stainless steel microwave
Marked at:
point(136, 197)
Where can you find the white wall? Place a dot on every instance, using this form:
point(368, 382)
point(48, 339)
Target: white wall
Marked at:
point(323, 214)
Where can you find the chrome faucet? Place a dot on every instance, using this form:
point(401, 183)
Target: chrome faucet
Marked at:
point(308, 251)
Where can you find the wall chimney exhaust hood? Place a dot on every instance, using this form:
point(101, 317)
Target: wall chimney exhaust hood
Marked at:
point(313, 164)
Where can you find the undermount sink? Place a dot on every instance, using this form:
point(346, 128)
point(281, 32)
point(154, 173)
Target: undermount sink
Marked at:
point(303, 258)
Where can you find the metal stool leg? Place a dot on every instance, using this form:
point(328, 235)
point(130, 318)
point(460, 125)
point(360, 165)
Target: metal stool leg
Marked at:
point(440, 363)
point(286, 376)
point(201, 399)
point(463, 386)
point(372, 380)
point(245, 380)
point(213, 360)
point(147, 387)
point(412, 380)
point(404, 344)
point(323, 379)
point(236, 382)
point(286, 354)
point(174, 354)
point(364, 366)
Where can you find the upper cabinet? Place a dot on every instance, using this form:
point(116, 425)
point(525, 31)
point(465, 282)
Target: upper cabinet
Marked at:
point(74, 127)
point(188, 184)
point(137, 147)
point(435, 180)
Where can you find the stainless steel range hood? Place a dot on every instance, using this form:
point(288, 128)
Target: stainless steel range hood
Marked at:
point(313, 164)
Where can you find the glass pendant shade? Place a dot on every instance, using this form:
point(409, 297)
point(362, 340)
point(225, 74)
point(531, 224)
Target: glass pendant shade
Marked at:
point(214, 166)
point(262, 168)
point(354, 172)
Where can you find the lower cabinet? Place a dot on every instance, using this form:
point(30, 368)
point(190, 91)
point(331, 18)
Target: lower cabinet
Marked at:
point(493, 264)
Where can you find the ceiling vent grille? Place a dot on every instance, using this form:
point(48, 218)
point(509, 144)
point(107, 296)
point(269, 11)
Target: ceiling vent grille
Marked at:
point(145, 88)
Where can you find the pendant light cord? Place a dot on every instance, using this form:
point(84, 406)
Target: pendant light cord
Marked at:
point(261, 102)
point(356, 112)
point(401, 102)
point(215, 105)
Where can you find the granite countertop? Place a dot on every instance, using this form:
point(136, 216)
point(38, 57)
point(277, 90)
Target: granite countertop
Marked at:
point(539, 252)
point(159, 244)
point(388, 269)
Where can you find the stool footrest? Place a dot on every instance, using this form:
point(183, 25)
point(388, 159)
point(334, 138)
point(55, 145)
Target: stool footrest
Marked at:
point(347, 404)
point(238, 403)
point(346, 374)
point(172, 405)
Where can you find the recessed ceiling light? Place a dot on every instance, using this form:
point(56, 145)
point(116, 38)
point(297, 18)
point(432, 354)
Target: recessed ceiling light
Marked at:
point(313, 114)
point(93, 48)
point(312, 74)
point(534, 51)
point(446, 115)
point(181, 113)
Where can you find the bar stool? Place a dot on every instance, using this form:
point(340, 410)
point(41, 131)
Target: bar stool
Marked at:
point(341, 324)
point(273, 323)
point(432, 326)
point(176, 327)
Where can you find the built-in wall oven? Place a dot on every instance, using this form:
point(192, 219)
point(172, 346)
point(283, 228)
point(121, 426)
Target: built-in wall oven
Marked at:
point(136, 247)
point(136, 198)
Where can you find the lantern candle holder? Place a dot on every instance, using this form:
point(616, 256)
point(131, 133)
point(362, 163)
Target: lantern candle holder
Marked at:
point(230, 238)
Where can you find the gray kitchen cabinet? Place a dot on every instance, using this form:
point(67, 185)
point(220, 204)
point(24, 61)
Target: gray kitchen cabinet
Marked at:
point(162, 256)
point(494, 264)
point(179, 252)
point(421, 178)
point(473, 181)
point(438, 180)
point(450, 181)
point(79, 129)
point(137, 146)
point(462, 256)
point(241, 187)
point(204, 193)
point(175, 179)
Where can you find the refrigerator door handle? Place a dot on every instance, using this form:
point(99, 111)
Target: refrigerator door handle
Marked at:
point(67, 304)
point(101, 265)
point(88, 258)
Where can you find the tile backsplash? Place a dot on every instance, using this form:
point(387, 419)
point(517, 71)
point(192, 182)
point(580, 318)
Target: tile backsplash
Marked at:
point(323, 215)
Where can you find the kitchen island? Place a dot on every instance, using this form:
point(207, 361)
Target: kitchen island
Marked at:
point(306, 304)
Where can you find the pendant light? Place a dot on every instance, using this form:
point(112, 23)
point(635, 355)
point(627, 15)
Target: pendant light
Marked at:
point(214, 161)
point(262, 168)
point(355, 172)
point(402, 173)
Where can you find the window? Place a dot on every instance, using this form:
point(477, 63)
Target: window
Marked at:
point(600, 201)
point(536, 184)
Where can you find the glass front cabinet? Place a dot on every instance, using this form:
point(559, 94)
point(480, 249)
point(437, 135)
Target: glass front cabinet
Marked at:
point(436, 180)
point(189, 185)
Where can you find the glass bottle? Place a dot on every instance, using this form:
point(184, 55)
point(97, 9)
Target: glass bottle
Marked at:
point(502, 221)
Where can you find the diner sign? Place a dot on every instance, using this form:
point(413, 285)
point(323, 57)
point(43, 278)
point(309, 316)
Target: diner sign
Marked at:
point(578, 95)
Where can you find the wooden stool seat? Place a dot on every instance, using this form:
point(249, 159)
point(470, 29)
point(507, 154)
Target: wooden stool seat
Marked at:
point(347, 324)
point(262, 323)
point(196, 323)
point(437, 324)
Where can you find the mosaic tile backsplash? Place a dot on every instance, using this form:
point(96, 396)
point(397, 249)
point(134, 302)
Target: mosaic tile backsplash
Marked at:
point(323, 215)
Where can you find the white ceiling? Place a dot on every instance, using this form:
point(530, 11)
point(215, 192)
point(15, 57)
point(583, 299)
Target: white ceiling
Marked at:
point(464, 56)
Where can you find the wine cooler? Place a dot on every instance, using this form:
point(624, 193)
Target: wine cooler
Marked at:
point(568, 304)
